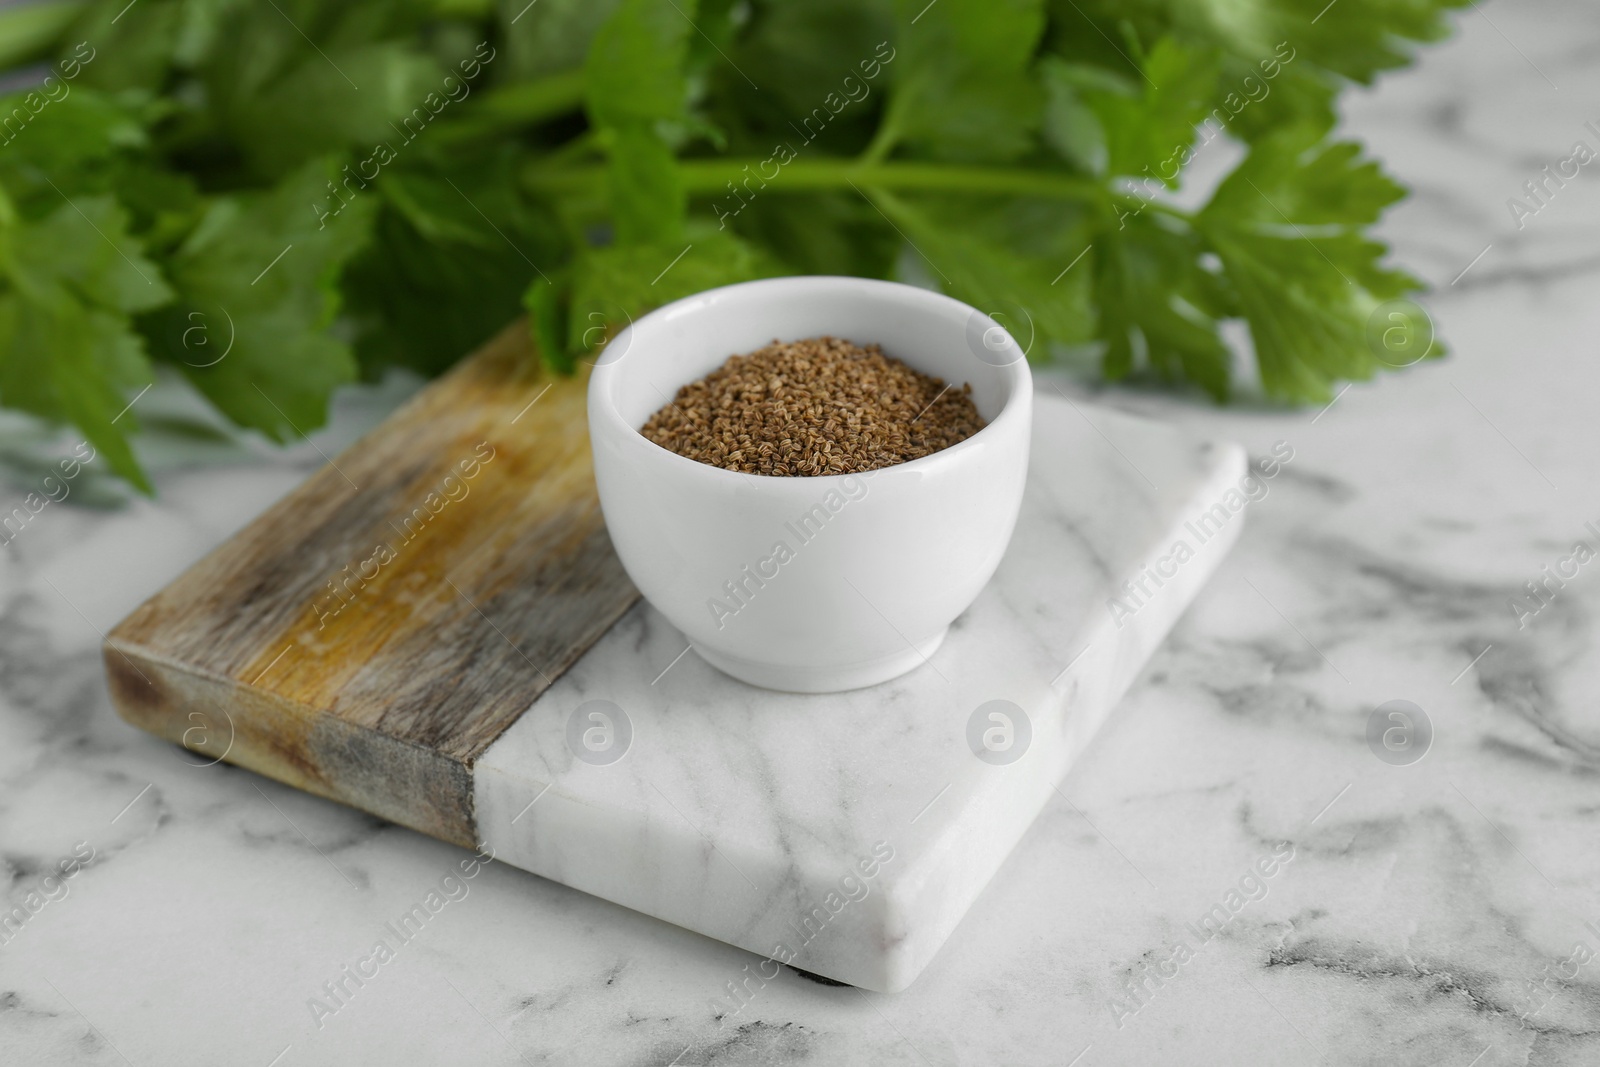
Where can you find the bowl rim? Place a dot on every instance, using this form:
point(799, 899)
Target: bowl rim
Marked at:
point(603, 381)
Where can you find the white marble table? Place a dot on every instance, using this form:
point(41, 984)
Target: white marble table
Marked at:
point(1428, 913)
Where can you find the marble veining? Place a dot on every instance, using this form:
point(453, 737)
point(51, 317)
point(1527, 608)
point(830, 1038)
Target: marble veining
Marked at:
point(1427, 918)
point(846, 834)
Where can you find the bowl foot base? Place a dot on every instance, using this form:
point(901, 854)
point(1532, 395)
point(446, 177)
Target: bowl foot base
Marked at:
point(810, 679)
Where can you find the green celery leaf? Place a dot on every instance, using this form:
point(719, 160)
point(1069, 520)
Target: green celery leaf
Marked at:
point(549, 36)
point(1289, 58)
point(823, 74)
point(716, 24)
point(1070, 125)
point(85, 248)
point(291, 80)
point(1306, 318)
point(451, 254)
point(962, 84)
point(139, 47)
point(829, 233)
point(1150, 132)
point(79, 344)
point(74, 278)
point(263, 276)
point(1276, 88)
point(648, 202)
point(548, 325)
point(384, 93)
point(612, 286)
point(1293, 176)
point(635, 90)
point(133, 53)
point(1287, 228)
point(986, 263)
point(1358, 39)
point(635, 65)
point(29, 31)
point(1149, 290)
point(69, 145)
point(164, 204)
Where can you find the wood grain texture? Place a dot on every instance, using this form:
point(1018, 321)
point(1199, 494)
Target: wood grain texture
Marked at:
point(371, 634)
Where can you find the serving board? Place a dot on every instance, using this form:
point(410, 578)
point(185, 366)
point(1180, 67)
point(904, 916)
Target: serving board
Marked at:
point(381, 692)
point(481, 670)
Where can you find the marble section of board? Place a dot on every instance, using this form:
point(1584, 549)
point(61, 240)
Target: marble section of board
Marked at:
point(849, 833)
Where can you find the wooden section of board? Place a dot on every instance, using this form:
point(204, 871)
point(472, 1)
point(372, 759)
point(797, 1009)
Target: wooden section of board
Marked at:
point(372, 633)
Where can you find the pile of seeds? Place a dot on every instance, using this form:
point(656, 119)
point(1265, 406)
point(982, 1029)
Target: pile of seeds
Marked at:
point(820, 406)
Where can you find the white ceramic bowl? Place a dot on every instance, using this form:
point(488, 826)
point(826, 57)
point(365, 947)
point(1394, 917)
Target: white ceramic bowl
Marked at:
point(823, 583)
